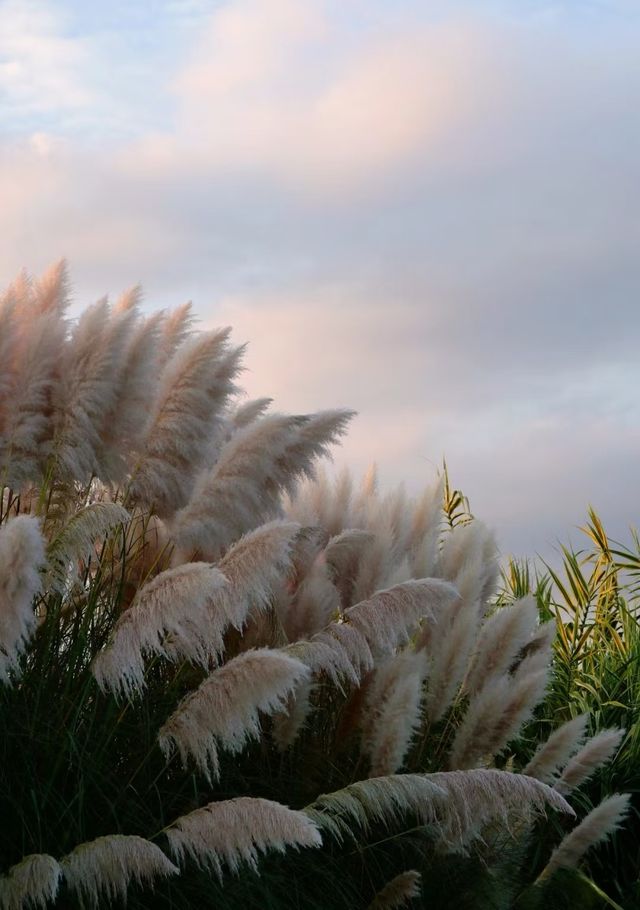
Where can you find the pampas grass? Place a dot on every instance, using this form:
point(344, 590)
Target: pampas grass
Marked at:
point(224, 709)
point(597, 826)
point(104, 868)
point(22, 555)
point(33, 882)
point(237, 831)
point(180, 580)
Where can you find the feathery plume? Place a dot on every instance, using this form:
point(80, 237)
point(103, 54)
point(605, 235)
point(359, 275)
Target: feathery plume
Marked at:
point(249, 411)
point(254, 566)
point(90, 364)
point(76, 541)
point(129, 299)
point(398, 891)
point(224, 708)
point(376, 561)
point(255, 467)
point(596, 827)
point(343, 554)
point(367, 492)
point(176, 615)
point(315, 604)
point(495, 716)
point(237, 831)
point(307, 548)
point(51, 290)
point(288, 724)
point(22, 555)
point(194, 388)
point(105, 867)
point(32, 379)
point(8, 340)
point(595, 752)
point(426, 523)
point(339, 651)
point(33, 882)
point(378, 800)
point(450, 643)
point(124, 425)
point(388, 618)
point(502, 637)
point(468, 559)
point(393, 711)
point(175, 331)
point(481, 796)
point(553, 754)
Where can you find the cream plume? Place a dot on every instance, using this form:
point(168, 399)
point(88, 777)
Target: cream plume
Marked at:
point(89, 368)
point(426, 522)
point(33, 882)
point(237, 831)
point(288, 724)
point(254, 566)
point(249, 411)
point(51, 290)
point(392, 711)
point(502, 637)
point(255, 467)
point(378, 800)
point(123, 427)
point(343, 554)
point(595, 752)
point(468, 559)
point(33, 377)
point(22, 555)
point(224, 708)
point(176, 615)
point(554, 754)
point(449, 643)
point(315, 603)
point(482, 796)
point(389, 618)
point(76, 541)
point(194, 388)
point(104, 868)
point(495, 716)
point(596, 827)
point(456, 804)
point(176, 329)
point(398, 891)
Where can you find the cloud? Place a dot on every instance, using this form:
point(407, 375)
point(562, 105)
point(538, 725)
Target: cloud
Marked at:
point(277, 88)
point(423, 217)
point(40, 67)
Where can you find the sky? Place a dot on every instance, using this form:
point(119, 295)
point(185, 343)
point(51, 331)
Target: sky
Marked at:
point(426, 211)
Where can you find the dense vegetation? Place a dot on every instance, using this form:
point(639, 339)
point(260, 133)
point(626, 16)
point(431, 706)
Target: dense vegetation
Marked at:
point(227, 680)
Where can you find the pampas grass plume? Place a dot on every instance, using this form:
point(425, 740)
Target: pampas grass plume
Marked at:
point(596, 827)
point(237, 831)
point(22, 555)
point(554, 754)
point(33, 882)
point(174, 615)
point(104, 868)
point(595, 752)
point(225, 708)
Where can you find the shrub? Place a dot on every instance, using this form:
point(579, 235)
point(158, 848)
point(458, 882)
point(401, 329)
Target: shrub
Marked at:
point(210, 652)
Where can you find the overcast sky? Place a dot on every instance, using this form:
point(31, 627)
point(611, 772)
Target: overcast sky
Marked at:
point(427, 211)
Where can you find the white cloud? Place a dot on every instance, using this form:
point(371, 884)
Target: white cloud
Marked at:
point(275, 88)
point(42, 70)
